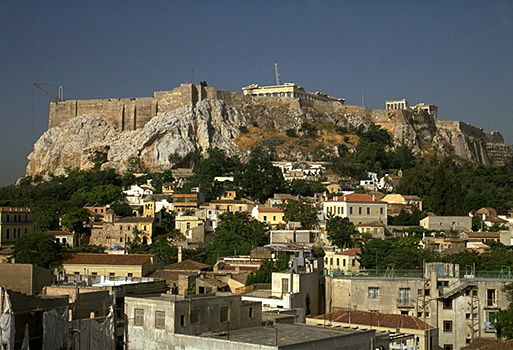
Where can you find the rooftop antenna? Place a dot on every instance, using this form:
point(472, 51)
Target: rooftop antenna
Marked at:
point(277, 74)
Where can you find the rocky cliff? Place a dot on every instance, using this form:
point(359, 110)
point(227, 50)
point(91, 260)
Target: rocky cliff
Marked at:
point(89, 141)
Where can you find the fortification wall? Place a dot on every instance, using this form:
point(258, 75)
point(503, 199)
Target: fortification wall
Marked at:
point(130, 113)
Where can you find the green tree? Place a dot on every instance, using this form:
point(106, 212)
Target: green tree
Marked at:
point(341, 232)
point(300, 211)
point(268, 266)
point(121, 209)
point(75, 220)
point(307, 188)
point(37, 248)
point(504, 318)
point(236, 234)
point(259, 179)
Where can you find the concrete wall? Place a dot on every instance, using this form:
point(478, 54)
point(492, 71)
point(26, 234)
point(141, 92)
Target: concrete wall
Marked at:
point(25, 278)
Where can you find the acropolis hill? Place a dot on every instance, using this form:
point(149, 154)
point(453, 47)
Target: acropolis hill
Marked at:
point(141, 133)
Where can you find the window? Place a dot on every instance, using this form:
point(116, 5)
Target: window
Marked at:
point(160, 319)
point(381, 211)
point(351, 210)
point(448, 347)
point(121, 227)
point(130, 275)
point(338, 262)
point(490, 297)
point(112, 274)
point(223, 314)
point(138, 317)
point(373, 293)
point(182, 320)
point(7, 233)
point(251, 312)
point(359, 210)
point(368, 210)
point(447, 304)
point(194, 316)
point(353, 262)
point(265, 218)
point(447, 326)
point(284, 285)
point(404, 296)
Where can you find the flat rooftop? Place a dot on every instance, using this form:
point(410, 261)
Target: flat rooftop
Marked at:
point(287, 334)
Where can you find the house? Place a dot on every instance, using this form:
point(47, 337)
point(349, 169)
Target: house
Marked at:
point(187, 201)
point(271, 216)
point(180, 276)
point(65, 238)
point(461, 304)
point(359, 208)
point(14, 223)
point(192, 228)
point(344, 261)
point(279, 199)
point(80, 266)
point(414, 333)
point(230, 203)
point(136, 193)
point(489, 344)
point(447, 223)
point(398, 202)
point(96, 209)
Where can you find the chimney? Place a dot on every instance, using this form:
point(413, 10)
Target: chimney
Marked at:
point(179, 253)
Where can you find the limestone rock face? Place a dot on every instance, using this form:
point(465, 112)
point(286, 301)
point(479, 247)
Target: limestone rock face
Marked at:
point(82, 141)
point(89, 141)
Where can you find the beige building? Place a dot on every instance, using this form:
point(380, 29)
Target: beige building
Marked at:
point(25, 278)
point(14, 223)
point(447, 223)
point(230, 203)
point(358, 207)
point(461, 305)
point(82, 265)
point(396, 202)
point(118, 232)
point(342, 261)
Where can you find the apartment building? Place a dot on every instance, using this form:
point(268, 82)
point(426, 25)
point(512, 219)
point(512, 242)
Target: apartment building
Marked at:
point(460, 305)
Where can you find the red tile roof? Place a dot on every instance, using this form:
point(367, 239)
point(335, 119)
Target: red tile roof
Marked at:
point(489, 344)
point(356, 198)
point(376, 319)
point(270, 210)
point(105, 259)
point(350, 252)
point(186, 265)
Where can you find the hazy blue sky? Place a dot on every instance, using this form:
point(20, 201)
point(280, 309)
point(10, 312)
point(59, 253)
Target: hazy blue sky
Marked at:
point(455, 54)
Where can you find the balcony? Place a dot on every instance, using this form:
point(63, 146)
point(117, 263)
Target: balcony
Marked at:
point(404, 303)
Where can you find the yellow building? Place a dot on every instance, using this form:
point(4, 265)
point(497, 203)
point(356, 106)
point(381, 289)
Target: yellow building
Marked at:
point(14, 223)
point(270, 216)
point(120, 231)
point(345, 261)
point(109, 265)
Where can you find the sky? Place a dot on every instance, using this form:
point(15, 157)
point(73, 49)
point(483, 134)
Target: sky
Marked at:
point(457, 55)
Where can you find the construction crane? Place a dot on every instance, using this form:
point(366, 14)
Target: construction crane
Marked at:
point(277, 74)
point(59, 97)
